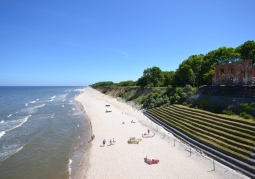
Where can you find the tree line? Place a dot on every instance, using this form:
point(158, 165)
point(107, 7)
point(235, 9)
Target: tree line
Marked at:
point(196, 70)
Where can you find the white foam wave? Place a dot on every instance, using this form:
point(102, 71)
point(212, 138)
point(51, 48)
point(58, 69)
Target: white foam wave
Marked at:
point(69, 167)
point(1, 121)
point(37, 99)
point(6, 152)
point(29, 110)
point(32, 101)
point(23, 120)
point(53, 97)
point(63, 106)
point(26, 104)
point(52, 115)
point(40, 106)
point(9, 115)
point(2, 133)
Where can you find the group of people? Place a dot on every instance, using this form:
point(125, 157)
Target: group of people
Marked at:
point(112, 142)
point(147, 135)
point(131, 121)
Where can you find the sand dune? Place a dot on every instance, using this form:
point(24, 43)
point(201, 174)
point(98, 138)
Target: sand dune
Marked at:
point(127, 161)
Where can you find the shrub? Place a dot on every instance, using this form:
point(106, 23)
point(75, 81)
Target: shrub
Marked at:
point(246, 107)
point(245, 115)
point(187, 89)
point(228, 112)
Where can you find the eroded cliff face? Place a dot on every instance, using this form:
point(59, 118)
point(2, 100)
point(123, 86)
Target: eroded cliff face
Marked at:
point(128, 93)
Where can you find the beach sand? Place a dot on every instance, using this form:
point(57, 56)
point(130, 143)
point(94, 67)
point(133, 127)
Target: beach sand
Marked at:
point(127, 161)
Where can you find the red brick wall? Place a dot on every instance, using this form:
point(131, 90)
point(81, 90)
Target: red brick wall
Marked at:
point(238, 73)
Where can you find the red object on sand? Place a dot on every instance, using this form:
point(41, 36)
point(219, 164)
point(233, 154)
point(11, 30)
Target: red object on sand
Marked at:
point(152, 161)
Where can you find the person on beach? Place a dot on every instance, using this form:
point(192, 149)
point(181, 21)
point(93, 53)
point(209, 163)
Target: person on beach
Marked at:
point(113, 141)
point(132, 121)
point(123, 122)
point(148, 131)
point(104, 141)
point(110, 141)
point(92, 137)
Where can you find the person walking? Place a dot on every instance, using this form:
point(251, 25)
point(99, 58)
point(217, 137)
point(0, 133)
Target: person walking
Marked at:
point(104, 141)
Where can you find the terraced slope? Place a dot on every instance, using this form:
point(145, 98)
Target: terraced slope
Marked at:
point(233, 137)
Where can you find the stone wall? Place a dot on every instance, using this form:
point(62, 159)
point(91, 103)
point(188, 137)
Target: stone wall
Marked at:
point(238, 73)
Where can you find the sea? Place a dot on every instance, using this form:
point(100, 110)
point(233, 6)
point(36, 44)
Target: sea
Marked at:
point(43, 133)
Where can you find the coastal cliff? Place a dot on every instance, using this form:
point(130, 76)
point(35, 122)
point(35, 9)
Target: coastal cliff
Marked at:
point(135, 94)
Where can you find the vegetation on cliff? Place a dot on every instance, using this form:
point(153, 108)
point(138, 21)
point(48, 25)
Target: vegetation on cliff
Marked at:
point(175, 87)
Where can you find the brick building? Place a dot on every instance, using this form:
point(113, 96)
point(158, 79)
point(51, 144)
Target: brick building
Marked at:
point(237, 73)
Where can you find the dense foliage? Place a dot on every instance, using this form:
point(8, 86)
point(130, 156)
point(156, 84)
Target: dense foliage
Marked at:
point(164, 97)
point(196, 70)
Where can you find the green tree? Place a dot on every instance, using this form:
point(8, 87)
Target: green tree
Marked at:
point(208, 67)
point(102, 84)
point(168, 78)
point(142, 82)
point(247, 50)
point(152, 76)
point(189, 71)
point(207, 77)
point(225, 55)
point(127, 83)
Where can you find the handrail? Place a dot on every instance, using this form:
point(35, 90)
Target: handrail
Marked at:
point(215, 154)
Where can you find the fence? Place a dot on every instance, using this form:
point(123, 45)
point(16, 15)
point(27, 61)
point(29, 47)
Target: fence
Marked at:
point(181, 145)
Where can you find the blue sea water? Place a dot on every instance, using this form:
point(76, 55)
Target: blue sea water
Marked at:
point(43, 132)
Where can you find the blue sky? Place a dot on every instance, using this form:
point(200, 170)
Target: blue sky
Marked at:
point(82, 42)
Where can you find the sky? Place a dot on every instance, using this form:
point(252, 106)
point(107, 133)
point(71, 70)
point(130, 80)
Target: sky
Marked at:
point(81, 42)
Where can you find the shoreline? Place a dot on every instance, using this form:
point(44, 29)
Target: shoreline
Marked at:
point(85, 161)
point(124, 160)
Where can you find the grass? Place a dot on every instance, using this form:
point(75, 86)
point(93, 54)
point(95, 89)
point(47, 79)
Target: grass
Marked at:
point(232, 136)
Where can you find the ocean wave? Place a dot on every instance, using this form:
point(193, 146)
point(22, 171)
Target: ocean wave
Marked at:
point(37, 99)
point(32, 101)
point(69, 167)
point(53, 97)
point(9, 115)
point(29, 110)
point(10, 125)
point(77, 113)
point(26, 104)
point(2, 133)
point(61, 97)
point(45, 116)
point(23, 120)
point(1, 121)
point(8, 151)
point(39, 106)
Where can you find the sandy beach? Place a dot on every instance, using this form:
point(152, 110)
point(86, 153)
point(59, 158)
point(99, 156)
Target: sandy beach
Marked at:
point(127, 161)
